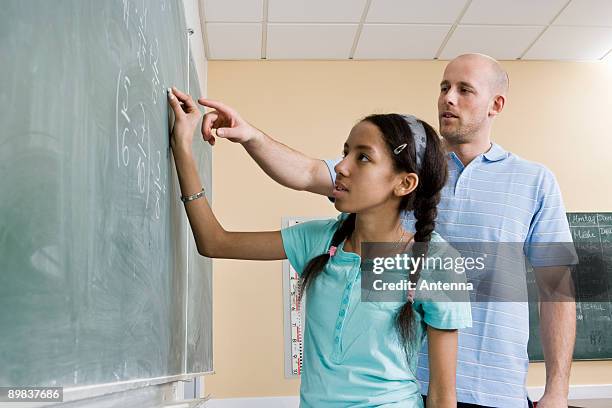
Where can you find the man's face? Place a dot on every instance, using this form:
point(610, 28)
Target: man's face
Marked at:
point(465, 99)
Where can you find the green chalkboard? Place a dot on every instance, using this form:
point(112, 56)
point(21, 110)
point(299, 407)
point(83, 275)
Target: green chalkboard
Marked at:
point(99, 281)
point(592, 235)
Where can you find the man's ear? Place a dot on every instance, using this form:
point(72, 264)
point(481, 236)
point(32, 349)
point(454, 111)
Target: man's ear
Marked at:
point(408, 183)
point(498, 105)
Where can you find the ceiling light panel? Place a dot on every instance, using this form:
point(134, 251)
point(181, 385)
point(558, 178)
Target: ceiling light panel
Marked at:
point(310, 41)
point(315, 11)
point(500, 42)
point(572, 44)
point(233, 11)
point(502, 12)
point(234, 40)
point(587, 13)
point(415, 11)
point(400, 41)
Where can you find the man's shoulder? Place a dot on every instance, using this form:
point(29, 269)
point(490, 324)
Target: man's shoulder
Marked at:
point(518, 164)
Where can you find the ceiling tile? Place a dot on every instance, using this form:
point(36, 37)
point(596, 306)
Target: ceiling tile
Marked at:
point(310, 41)
point(315, 11)
point(501, 12)
point(500, 42)
point(587, 13)
point(415, 11)
point(572, 43)
point(234, 11)
point(380, 41)
point(234, 41)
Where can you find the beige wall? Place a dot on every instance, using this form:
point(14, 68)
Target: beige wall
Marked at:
point(557, 114)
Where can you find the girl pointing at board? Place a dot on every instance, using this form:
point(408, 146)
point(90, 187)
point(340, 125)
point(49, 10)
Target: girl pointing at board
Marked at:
point(356, 353)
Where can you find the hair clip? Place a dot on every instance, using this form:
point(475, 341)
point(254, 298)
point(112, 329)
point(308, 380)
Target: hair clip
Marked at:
point(332, 251)
point(399, 148)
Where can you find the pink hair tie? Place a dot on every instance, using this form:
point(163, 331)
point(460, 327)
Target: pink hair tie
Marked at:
point(411, 296)
point(332, 251)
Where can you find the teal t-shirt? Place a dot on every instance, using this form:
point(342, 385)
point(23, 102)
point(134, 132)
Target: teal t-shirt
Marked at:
point(352, 353)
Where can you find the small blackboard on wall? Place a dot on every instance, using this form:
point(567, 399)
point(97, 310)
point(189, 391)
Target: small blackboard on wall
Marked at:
point(592, 234)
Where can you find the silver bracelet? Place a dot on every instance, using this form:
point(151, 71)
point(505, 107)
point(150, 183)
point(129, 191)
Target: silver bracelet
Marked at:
point(193, 197)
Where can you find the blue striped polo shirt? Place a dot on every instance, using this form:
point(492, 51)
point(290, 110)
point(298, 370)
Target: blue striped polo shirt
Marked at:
point(501, 198)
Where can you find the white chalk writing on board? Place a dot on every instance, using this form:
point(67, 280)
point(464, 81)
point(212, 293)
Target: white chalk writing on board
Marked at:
point(133, 137)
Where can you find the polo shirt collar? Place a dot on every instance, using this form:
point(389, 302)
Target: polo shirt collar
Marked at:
point(495, 153)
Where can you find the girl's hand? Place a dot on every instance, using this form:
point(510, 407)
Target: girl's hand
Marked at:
point(186, 118)
point(227, 123)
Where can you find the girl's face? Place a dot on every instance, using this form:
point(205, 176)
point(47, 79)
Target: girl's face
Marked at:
point(365, 178)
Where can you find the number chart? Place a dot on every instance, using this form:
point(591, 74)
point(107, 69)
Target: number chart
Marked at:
point(294, 311)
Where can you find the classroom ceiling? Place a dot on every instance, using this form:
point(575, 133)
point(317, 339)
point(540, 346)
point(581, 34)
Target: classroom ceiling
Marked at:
point(569, 30)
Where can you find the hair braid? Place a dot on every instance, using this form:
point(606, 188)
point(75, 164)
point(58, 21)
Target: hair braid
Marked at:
point(432, 178)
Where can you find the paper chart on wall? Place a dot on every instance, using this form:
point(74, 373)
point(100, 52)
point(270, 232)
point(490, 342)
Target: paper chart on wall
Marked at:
point(294, 311)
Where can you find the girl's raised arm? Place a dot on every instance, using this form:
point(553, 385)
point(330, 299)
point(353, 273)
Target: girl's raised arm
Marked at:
point(210, 237)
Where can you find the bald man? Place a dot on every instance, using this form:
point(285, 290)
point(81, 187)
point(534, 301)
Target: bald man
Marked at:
point(491, 196)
